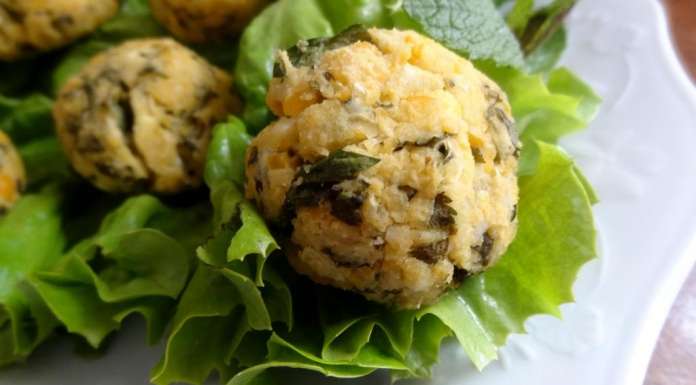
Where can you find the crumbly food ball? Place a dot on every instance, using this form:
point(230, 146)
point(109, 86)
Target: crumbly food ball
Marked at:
point(205, 20)
point(31, 26)
point(12, 176)
point(139, 116)
point(392, 165)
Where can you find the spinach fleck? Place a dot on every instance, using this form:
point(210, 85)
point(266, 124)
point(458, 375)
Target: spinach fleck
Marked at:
point(443, 214)
point(345, 205)
point(432, 252)
point(485, 248)
point(307, 53)
point(315, 183)
point(409, 191)
point(337, 167)
point(459, 275)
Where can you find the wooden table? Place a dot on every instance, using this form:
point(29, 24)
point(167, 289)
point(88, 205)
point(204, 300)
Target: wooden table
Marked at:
point(674, 359)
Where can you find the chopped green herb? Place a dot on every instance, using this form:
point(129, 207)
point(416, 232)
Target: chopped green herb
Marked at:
point(345, 205)
point(313, 184)
point(484, 249)
point(337, 167)
point(443, 213)
point(431, 253)
point(307, 53)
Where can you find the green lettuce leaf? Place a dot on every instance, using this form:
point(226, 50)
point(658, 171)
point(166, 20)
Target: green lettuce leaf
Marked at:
point(208, 325)
point(239, 229)
point(29, 123)
point(556, 237)
point(233, 294)
point(225, 161)
point(130, 266)
point(31, 239)
point(345, 13)
point(545, 57)
point(45, 161)
point(26, 119)
point(540, 31)
point(518, 17)
point(536, 27)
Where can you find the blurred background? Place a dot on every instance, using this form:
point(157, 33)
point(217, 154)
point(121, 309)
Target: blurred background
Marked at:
point(674, 359)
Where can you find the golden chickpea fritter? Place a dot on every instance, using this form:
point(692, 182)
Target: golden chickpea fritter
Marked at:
point(392, 164)
point(12, 175)
point(205, 20)
point(139, 116)
point(32, 26)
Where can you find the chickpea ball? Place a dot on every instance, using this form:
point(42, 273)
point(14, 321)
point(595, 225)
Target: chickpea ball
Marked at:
point(12, 175)
point(392, 165)
point(205, 20)
point(32, 26)
point(139, 116)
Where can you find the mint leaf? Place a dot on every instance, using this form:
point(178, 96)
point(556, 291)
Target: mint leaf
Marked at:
point(472, 28)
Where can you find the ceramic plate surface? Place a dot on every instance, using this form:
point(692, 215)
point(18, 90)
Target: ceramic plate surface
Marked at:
point(640, 156)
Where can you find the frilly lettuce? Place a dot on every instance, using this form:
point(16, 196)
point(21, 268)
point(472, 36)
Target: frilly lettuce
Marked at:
point(545, 109)
point(232, 296)
point(28, 122)
point(31, 239)
point(136, 263)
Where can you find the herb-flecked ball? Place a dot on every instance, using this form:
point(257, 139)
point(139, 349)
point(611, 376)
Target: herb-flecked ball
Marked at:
point(206, 20)
point(12, 175)
point(139, 116)
point(392, 165)
point(31, 26)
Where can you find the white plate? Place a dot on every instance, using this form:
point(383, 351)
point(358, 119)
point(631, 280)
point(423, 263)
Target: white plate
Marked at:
point(640, 156)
